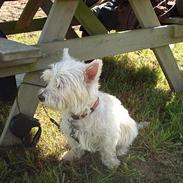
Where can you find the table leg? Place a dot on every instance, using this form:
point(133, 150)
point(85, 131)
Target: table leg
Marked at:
point(147, 18)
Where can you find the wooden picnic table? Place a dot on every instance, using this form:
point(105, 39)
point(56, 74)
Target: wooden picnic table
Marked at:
point(62, 14)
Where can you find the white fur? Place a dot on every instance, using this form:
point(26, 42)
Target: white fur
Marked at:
point(109, 129)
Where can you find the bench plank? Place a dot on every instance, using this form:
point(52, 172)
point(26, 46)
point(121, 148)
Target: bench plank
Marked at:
point(99, 46)
point(173, 20)
point(11, 50)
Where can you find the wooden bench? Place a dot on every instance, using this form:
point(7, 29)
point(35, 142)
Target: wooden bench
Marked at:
point(12, 51)
point(99, 44)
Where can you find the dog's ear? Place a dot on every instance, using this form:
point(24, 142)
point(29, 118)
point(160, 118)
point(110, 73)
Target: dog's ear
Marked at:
point(93, 70)
point(47, 74)
point(66, 55)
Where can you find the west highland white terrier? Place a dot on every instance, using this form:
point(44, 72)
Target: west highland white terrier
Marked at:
point(91, 119)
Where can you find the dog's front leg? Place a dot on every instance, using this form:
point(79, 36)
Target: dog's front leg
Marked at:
point(75, 152)
point(108, 156)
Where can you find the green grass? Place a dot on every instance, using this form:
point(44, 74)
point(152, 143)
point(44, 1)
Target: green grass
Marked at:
point(156, 155)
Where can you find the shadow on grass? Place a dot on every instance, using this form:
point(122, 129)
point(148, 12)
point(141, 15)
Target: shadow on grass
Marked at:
point(159, 145)
point(124, 71)
point(135, 86)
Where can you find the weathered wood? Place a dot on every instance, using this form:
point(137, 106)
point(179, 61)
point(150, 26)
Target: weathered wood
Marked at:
point(11, 50)
point(147, 18)
point(46, 7)
point(16, 63)
point(178, 31)
point(144, 13)
point(169, 68)
point(28, 13)
point(103, 45)
point(173, 20)
point(27, 94)
point(88, 20)
point(10, 27)
point(60, 19)
point(100, 46)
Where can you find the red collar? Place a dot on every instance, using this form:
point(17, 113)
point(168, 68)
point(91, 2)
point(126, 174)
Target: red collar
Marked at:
point(92, 109)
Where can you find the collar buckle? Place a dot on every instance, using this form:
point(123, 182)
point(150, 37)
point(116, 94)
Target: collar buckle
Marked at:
point(92, 109)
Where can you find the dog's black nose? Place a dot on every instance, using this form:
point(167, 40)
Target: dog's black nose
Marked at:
point(41, 97)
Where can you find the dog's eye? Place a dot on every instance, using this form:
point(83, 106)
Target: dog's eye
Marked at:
point(59, 84)
point(45, 85)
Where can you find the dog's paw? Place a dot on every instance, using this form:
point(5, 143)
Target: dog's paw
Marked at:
point(69, 156)
point(73, 154)
point(121, 151)
point(112, 164)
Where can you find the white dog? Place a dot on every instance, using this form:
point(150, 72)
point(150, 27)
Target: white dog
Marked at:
point(91, 120)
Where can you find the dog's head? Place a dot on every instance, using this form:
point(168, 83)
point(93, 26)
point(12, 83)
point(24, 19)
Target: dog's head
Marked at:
point(70, 83)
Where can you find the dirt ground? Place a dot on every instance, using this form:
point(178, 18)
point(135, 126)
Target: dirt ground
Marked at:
point(11, 10)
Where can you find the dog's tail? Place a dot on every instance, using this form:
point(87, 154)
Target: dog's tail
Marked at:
point(142, 125)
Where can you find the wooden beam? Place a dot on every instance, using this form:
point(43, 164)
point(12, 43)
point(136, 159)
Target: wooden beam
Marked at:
point(60, 19)
point(36, 25)
point(147, 18)
point(178, 31)
point(103, 45)
point(46, 7)
point(28, 13)
point(11, 50)
point(171, 71)
point(99, 46)
point(144, 13)
point(10, 27)
point(17, 63)
point(173, 20)
point(88, 20)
